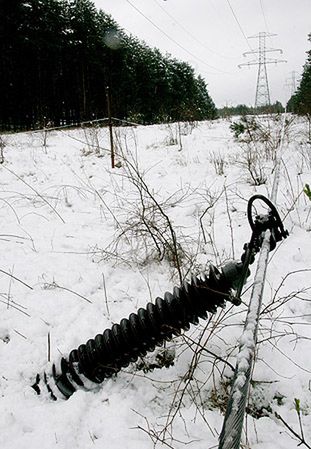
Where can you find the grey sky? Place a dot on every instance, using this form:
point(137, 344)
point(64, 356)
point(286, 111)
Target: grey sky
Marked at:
point(213, 37)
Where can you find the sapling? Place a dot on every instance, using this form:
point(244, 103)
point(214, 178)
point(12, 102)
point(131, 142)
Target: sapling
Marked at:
point(2, 146)
point(300, 437)
point(307, 191)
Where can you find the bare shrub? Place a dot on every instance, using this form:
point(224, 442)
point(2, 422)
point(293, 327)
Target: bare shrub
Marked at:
point(147, 232)
point(175, 131)
point(186, 128)
point(44, 133)
point(264, 133)
point(218, 161)
point(191, 392)
point(172, 138)
point(122, 138)
point(2, 146)
point(259, 139)
point(92, 136)
point(251, 160)
point(305, 156)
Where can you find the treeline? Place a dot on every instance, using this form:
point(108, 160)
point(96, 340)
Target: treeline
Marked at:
point(300, 102)
point(242, 109)
point(58, 57)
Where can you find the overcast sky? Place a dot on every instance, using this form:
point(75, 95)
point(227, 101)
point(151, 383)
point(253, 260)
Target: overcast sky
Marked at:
point(212, 36)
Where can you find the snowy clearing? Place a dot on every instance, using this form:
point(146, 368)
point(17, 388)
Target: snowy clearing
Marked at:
point(73, 239)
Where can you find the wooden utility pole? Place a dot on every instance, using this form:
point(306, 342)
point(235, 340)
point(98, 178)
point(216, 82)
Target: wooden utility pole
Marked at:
point(108, 96)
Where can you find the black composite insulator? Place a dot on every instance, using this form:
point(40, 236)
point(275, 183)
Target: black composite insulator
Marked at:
point(116, 348)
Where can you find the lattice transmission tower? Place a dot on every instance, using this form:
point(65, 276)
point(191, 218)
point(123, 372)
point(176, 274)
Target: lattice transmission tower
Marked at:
point(262, 89)
point(291, 82)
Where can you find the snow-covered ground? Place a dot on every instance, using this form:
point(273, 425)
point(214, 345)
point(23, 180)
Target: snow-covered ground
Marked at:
point(75, 258)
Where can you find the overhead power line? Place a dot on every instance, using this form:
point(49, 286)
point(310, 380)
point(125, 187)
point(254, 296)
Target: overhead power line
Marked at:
point(265, 19)
point(264, 16)
point(190, 34)
point(239, 25)
point(172, 39)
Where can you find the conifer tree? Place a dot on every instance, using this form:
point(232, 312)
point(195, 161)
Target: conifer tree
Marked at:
point(300, 102)
point(58, 57)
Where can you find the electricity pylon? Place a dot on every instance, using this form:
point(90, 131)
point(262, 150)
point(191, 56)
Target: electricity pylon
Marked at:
point(291, 82)
point(262, 89)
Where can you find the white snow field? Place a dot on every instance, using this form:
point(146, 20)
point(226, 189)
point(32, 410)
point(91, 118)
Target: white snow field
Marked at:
point(77, 256)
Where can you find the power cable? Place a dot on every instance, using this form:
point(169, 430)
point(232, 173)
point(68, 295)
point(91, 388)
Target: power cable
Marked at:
point(190, 34)
point(239, 25)
point(172, 39)
point(265, 20)
point(264, 16)
point(230, 436)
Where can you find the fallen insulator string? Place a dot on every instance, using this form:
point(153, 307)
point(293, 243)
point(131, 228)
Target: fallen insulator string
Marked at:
point(141, 332)
point(230, 436)
point(114, 349)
